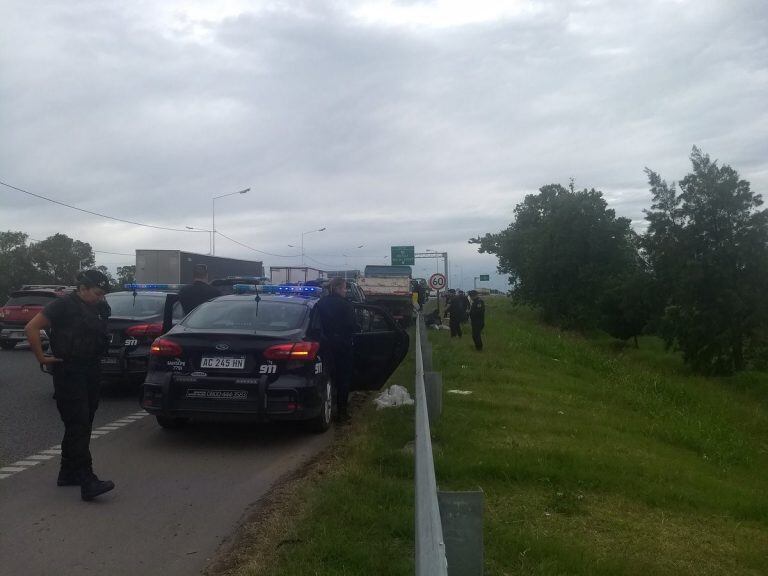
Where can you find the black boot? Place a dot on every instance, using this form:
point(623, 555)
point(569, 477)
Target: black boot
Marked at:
point(68, 477)
point(91, 486)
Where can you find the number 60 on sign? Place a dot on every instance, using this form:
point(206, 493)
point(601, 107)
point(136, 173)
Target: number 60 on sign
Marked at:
point(437, 281)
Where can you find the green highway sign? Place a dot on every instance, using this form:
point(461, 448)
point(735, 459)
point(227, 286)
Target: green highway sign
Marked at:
point(402, 256)
point(485, 277)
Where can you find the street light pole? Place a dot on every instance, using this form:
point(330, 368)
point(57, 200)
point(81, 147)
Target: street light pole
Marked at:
point(210, 235)
point(213, 217)
point(302, 241)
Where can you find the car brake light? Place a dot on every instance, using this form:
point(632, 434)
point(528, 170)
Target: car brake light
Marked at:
point(165, 347)
point(293, 351)
point(145, 330)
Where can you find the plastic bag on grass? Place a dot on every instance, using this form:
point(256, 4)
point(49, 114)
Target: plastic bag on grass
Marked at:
point(393, 396)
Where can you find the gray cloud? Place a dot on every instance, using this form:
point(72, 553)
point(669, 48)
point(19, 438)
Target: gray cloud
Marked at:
point(386, 134)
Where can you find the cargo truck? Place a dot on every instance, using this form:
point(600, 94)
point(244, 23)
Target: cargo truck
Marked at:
point(390, 288)
point(175, 266)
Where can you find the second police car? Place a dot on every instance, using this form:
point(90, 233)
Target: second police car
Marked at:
point(139, 314)
point(262, 356)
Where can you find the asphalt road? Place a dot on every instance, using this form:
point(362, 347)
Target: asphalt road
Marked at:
point(179, 493)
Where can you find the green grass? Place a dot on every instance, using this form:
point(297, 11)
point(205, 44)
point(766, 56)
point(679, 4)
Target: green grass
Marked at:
point(593, 458)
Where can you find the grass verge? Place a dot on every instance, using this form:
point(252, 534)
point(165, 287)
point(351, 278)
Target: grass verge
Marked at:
point(594, 459)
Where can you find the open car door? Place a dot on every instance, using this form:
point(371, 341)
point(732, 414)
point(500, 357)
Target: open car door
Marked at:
point(380, 346)
point(171, 312)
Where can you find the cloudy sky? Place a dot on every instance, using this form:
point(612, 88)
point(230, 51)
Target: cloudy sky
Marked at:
point(387, 122)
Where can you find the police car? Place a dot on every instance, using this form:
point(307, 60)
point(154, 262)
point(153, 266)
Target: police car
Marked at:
point(261, 356)
point(138, 316)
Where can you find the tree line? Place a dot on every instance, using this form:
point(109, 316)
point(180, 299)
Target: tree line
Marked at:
point(697, 276)
point(55, 260)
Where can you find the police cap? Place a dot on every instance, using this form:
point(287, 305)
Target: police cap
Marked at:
point(94, 279)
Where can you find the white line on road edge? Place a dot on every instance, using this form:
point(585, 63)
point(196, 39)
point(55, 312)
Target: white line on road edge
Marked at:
point(47, 454)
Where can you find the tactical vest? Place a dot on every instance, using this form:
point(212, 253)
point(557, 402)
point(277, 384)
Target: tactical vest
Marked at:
point(83, 337)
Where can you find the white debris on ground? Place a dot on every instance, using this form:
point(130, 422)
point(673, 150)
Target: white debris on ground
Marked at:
point(462, 392)
point(393, 396)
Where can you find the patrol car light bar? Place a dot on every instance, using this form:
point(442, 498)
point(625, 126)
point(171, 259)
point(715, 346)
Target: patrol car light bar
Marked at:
point(284, 289)
point(153, 286)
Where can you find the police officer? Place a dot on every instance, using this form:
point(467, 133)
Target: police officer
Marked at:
point(456, 311)
point(192, 295)
point(477, 318)
point(79, 337)
point(465, 303)
point(337, 317)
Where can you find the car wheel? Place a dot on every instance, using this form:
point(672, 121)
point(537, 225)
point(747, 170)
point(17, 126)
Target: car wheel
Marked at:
point(171, 423)
point(322, 421)
point(7, 345)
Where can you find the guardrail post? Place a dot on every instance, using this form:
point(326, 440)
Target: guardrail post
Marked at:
point(433, 386)
point(461, 514)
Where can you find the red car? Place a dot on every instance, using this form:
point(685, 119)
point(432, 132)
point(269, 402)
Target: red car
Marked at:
point(21, 307)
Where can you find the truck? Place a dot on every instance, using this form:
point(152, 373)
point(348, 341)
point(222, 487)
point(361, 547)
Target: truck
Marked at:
point(390, 288)
point(294, 274)
point(175, 266)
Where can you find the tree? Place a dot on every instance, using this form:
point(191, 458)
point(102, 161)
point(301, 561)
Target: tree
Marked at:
point(126, 275)
point(562, 252)
point(15, 263)
point(708, 250)
point(627, 304)
point(58, 258)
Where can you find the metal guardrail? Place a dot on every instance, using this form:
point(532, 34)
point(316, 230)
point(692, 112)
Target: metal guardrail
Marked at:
point(430, 545)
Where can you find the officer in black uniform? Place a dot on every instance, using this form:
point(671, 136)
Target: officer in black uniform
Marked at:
point(337, 317)
point(79, 337)
point(192, 295)
point(477, 318)
point(457, 311)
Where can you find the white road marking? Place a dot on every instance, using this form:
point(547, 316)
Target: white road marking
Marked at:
point(49, 453)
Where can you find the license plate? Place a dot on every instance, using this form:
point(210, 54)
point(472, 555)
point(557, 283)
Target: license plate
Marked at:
point(109, 361)
point(217, 394)
point(224, 362)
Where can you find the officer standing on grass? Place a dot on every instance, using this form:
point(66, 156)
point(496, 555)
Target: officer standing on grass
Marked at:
point(192, 295)
point(79, 337)
point(456, 312)
point(477, 318)
point(337, 317)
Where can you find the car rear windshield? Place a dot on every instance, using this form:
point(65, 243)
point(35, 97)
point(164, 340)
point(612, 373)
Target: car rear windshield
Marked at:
point(30, 299)
point(124, 304)
point(247, 314)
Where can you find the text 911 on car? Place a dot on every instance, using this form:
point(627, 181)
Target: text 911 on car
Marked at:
point(262, 356)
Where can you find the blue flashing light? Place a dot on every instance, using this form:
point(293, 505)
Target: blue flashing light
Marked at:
point(279, 289)
point(153, 286)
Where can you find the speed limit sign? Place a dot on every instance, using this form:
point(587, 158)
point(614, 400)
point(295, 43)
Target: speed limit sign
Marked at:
point(437, 281)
